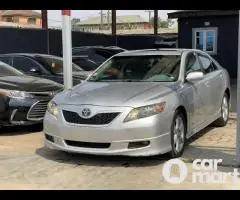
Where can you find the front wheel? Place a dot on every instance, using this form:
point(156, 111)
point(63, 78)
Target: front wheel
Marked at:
point(222, 121)
point(178, 134)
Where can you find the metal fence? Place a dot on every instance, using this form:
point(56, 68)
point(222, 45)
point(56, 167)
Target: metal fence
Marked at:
point(14, 40)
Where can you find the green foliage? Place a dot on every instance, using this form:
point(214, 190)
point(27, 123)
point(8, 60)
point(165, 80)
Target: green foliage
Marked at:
point(163, 23)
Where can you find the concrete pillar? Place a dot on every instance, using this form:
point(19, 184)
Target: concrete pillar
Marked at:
point(67, 48)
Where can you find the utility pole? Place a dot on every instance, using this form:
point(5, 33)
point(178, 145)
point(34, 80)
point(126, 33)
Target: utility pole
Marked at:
point(155, 22)
point(114, 23)
point(149, 16)
point(108, 18)
point(101, 16)
point(238, 98)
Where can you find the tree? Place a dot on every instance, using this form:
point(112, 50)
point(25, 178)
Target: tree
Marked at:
point(163, 23)
point(75, 20)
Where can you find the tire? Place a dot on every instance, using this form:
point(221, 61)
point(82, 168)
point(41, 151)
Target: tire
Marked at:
point(222, 121)
point(178, 135)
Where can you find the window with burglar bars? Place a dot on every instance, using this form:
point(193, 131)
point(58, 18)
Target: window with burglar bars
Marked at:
point(205, 39)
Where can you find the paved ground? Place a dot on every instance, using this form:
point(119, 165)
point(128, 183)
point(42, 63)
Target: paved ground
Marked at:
point(25, 164)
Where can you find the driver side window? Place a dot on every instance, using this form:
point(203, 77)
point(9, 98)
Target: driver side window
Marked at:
point(192, 64)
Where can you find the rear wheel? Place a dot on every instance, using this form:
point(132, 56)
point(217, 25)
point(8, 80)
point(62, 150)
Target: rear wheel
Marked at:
point(222, 121)
point(178, 134)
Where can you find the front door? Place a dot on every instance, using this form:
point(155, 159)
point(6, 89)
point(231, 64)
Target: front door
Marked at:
point(197, 93)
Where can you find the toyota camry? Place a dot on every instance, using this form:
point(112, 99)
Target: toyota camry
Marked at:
point(140, 103)
point(23, 99)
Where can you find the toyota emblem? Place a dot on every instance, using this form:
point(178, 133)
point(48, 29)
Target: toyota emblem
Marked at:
point(86, 112)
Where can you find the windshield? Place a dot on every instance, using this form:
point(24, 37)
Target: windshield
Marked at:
point(149, 68)
point(7, 70)
point(56, 64)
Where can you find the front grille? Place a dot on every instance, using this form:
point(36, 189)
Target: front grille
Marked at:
point(99, 119)
point(88, 144)
point(37, 111)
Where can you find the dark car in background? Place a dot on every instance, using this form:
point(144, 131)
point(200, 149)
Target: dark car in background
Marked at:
point(24, 99)
point(43, 66)
point(85, 63)
point(97, 54)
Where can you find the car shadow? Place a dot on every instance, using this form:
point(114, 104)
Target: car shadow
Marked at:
point(20, 130)
point(193, 151)
point(103, 161)
point(203, 152)
point(199, 134)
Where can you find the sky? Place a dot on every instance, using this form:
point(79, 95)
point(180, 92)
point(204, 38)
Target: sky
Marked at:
point(54, 16)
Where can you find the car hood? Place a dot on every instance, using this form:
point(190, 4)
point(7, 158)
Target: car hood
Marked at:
point(28, 83)
point(116, 94)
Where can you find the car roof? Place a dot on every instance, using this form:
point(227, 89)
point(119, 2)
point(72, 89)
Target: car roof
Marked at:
point(98, 47)
point(30, 55)
point(158, 51)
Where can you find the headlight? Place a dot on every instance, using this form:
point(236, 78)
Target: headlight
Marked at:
point(16, 94)
point(53, 108)
point(145, 111)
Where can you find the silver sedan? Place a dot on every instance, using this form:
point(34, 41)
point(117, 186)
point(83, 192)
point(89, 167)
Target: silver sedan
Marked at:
point(140, 103)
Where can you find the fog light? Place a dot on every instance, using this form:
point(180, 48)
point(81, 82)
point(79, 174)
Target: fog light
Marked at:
point(49, 137)
point(134, 145)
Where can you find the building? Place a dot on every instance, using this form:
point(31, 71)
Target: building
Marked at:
point(124, 22)
point(21, 17)
point(213, 31)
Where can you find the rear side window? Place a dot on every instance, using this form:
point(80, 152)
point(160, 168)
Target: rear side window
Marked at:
point(85, 64)
point(55, 64)
point(100, 56)
point(80, 52)
point(104, 54)
point(6, 59)
point(207, 64)
point(7, 70)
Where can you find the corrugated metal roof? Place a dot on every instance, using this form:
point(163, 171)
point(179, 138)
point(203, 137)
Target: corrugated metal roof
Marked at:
point(201, 13)
point(17, 25)
point(137, 31)
point(119, 19)
point(28, 13)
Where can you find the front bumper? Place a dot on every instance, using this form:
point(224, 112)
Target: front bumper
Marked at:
point(158, 145)
point(154, 131)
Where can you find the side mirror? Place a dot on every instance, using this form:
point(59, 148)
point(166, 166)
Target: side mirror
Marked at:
point(194, 76)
